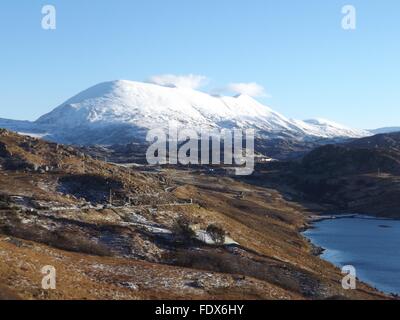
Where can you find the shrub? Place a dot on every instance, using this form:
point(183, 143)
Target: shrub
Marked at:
point(4, 202)
point(216, 233)
point(182, 228)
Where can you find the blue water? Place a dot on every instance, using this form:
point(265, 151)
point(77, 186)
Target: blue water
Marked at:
point(371, 245)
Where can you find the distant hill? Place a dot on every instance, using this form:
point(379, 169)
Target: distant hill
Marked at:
point(385, 130)
point(383, 142)
point(380, 153)
point(360, 176)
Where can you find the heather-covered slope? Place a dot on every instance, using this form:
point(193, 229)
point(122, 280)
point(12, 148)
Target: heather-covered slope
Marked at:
point(133, 235)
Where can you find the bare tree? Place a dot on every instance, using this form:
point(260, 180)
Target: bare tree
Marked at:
point(216, 233)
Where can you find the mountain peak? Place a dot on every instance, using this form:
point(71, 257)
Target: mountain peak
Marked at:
point(124, 108)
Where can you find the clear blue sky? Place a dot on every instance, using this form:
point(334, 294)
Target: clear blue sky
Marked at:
point(296, 49)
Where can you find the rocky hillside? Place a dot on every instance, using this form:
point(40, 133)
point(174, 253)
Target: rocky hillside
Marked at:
point(128, 234)
point(361, 176)
point(389, 142)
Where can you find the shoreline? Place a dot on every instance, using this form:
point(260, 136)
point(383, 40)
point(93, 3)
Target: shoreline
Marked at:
point(321, 217)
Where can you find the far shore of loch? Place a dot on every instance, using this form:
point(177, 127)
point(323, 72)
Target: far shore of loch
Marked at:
point(326, 216)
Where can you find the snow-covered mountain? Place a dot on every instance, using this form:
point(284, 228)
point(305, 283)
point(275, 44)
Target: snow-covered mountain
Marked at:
point(119, 111)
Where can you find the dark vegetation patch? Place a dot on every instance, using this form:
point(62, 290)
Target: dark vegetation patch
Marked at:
point(240, 262)
point(59, 238)
point(182, 230)
point(17, 163)
point(4, 202)
point(217, 233)
point(63, 240)
point(338, 160)
point(92, 188)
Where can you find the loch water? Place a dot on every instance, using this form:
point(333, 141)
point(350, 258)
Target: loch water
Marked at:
point(369, 244)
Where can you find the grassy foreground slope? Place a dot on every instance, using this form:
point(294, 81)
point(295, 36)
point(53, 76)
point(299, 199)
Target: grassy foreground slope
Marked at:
point(113, 232)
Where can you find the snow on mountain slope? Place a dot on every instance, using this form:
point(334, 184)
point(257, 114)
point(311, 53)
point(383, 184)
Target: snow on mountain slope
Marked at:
point(123, 111)
point(330, 129)
point(145, 106)
point(149, 106)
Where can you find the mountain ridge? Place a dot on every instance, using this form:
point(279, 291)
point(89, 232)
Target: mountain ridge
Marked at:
point(132, 108)
point(385, 130)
